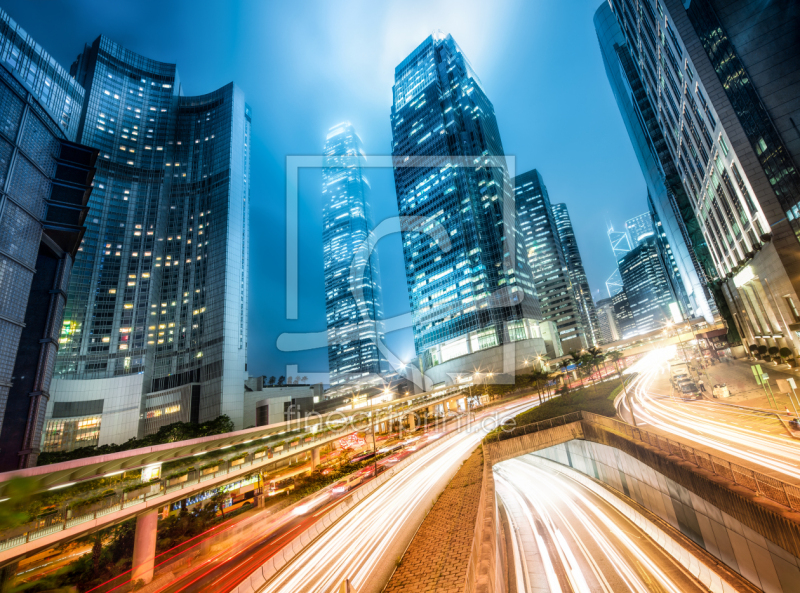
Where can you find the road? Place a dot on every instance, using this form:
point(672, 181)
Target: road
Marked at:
point(566, 538)
point(395, 509)
point(754, 437)
point(364, 545)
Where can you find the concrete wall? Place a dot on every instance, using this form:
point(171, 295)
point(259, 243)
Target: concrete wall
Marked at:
point(757, 559)
point(277, 396)
point(122, 403)
point(500, 360)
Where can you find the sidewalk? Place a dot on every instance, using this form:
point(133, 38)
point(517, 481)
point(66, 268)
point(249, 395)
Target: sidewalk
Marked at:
point(744, 390)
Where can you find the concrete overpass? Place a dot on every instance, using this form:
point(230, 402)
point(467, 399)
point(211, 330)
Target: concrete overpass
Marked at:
point(144, 506)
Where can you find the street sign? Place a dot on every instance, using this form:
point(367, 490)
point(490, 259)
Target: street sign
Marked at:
point(791, 382)
point(783, 385)
point(764, 377)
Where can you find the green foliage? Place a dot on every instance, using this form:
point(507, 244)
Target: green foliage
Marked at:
point(762, 349)
point(785, 353)
point(773, 350)
point(171, 433)
point(590, 400)
point(15, 511)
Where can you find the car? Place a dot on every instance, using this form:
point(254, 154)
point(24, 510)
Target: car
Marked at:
point(794, 424)
point(348, 483)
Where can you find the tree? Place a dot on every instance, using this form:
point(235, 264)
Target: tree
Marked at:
point(564, 363)
point(281, 380)
point(305, 379)
point(773, 351)
point(576, 360)
point(271, 381)
point(785, 353)
point(762, 350)
point(289, 380)
point(217, 502)
point(753, 349)
point(615, 356)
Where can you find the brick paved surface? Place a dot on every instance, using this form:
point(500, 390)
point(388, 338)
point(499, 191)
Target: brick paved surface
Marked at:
point(438, 557)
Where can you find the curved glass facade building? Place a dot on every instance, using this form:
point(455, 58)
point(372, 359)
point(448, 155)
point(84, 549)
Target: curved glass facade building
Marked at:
point(352, 297)
point(469, 282)
point(156, 328)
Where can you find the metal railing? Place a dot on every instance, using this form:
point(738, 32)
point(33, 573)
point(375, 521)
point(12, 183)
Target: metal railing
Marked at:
point(501, 434)
point(761, 484)
point(66, 518)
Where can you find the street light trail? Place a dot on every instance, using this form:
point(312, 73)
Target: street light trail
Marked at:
point(597, 548)
point(696, 421)
point(358, 545)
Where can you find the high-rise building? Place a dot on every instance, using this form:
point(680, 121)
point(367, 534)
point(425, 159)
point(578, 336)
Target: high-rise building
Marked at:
point(614, 283)
point(639, 228)
point(669, 263)
point(647, 289)
point(469, 282)
point(626, 324)
point(352, 304)
point(155, 330)
point(668, 199)
point(45, 182)
point(551, 276)
point(718, 104)
point(577, 274)
point(607, 321)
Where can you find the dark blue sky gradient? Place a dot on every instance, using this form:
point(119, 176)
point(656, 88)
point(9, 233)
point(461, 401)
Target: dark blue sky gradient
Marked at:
point(305, 66)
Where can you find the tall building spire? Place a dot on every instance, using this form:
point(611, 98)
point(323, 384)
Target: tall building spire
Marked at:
point(352, 303)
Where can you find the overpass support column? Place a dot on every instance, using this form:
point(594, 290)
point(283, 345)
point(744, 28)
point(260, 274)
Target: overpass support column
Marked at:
point(144, 546)
point(314, 458)
point(412, 422)
point(453, 405)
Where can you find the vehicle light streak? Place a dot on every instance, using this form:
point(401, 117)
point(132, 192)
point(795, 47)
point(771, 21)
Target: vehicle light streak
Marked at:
point(357, 544)
point(564, 511)
point(696, 421)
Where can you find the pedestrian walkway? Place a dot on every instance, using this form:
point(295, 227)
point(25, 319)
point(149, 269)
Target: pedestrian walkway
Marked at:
point(744, 390)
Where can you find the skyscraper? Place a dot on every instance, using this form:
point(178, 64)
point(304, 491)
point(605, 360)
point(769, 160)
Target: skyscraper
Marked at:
point(156, 328)
point(720, 121)
point(352, 304)
point(577, 275)
point(626, 324)
point(667, 196)
point(469, 282)
point(45, 183)
point(639, 228)
point(607, 321)
point(647, 289)
point(551, 277)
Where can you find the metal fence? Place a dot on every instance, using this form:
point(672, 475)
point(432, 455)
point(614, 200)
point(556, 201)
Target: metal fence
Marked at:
point(501, 434)
point(761, 484)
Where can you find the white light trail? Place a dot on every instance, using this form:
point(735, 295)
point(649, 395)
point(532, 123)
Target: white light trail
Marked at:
point(358, 543)
point(691, 421)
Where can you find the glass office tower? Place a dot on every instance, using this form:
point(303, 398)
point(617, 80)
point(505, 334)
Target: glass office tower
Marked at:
point(352, 284)
point(156, 328)
point(639, 228)
point(639, 109)
point(577, 274)
point(468, 278)
point(551, 276)
point(647, 289)
point(607, 321)
point(45, 183)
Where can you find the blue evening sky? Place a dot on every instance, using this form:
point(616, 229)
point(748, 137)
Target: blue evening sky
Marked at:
point(304, 66)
